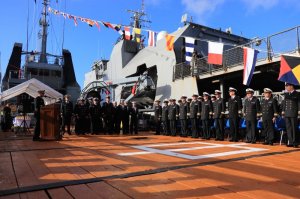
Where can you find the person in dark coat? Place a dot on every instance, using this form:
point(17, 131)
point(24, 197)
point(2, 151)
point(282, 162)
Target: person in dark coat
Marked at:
point(290, 111)
point(195, 110)
point(172, 116)
point(7, 119)
point(164, 118)
point(95, 116)
point(251, 113)
point(134, 119)
point(234, 111)
point(157, 116)
point(269, 112)
point(82, 118)
point(108, 114)
point(206, 113)
point(38, 103)
point(184, 109)
point(123, 116)
point(66, 114)
point(219, 114)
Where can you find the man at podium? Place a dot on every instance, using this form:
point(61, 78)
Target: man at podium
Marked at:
point(38, 103)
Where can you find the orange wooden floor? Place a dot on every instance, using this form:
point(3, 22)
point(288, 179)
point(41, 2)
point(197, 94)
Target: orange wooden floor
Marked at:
point(116, 167)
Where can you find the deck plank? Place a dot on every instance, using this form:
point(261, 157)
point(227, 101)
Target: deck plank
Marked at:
point(59, 193)
point(7, 176)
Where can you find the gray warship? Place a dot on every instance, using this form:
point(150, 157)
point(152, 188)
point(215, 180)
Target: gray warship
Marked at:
point(56, 71)
point(154, 73)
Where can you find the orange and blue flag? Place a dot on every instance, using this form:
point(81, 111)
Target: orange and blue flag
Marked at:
point(170, 42)
point(290, 70)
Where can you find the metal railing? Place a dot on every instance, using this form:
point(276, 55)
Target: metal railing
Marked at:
point(287, 41)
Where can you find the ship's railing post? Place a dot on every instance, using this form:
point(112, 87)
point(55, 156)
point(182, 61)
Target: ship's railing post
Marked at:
point(298, 41)
point(269, 49)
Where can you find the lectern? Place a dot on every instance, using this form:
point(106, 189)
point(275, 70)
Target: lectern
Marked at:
point(50, 122)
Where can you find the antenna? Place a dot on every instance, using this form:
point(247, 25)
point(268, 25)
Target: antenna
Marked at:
point(44, 24)
point(138, 17)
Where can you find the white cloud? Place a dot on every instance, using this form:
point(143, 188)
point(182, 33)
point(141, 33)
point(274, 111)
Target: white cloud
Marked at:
point(201, 8)
point(255, 4)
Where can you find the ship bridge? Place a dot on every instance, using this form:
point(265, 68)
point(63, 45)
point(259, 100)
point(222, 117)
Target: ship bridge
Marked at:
point(231, 72)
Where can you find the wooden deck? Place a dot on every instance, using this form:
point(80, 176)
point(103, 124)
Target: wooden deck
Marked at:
point(145, 166)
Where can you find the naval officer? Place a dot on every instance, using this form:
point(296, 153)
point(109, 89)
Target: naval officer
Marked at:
point(251, 113)
point(38, 103)
point(157, 116)
point(218, 115)
point(234, 109)
point(195, 109)
point(290, 111)
point(269, 111)
point(172, 116)
point(164, 118)
point(206, 112)
point(184, 109)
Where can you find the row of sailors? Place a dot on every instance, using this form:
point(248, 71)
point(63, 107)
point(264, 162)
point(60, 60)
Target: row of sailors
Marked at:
point(200, 109)
point(91, 117)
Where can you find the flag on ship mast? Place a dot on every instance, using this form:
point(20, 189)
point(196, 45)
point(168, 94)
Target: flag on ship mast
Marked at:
point(127, 32)
point(170, 42)
point(215, 53)
point(250, 56)
point(137, 32)
point(290, 70)
point(151, 38)
point(189, 49)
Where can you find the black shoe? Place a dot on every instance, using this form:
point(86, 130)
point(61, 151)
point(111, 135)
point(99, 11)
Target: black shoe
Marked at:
point(221, 139)
point(295, 146)
point(265, 143)
point(289, 145)
point(271, 143)
point(248, 142)
point(217, 139)
point(253, 142)
point(231, 140)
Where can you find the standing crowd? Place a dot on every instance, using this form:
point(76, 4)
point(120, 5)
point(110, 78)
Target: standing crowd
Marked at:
point(92, 117)
point(202, 115)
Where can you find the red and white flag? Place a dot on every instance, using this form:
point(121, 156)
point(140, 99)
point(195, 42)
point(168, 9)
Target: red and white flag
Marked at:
point(215, 53)
point(151, 38)
point(127, 32)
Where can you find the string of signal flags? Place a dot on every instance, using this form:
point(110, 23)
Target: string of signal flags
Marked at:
point(215, 49)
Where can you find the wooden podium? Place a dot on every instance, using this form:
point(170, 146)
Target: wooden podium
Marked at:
point(50, 122)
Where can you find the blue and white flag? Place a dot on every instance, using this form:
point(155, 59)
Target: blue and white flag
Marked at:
point(250, 56)
point(189, 49)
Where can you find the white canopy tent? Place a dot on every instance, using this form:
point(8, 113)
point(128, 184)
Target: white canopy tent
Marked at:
point(31, 87)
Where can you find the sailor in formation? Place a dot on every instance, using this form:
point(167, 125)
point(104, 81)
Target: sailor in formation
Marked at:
point(219, 115)
point(157, 116)
point(269, 112)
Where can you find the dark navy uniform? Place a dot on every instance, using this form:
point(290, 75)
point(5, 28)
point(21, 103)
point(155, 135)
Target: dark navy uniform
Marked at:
point(164, 118)
point(96, 120)
point(82, 119)
point(234, 109)
point(157, 118)
point(269, 110)
point(134, 120)
point(7, 119)
point(172, 116)
point(184, 109)
point(218, 116)
point(206, 112)
point(108, 111)
point(251, 110)
point(195, 110)
point(66, 111)
point(290, 111)
point(39, 102)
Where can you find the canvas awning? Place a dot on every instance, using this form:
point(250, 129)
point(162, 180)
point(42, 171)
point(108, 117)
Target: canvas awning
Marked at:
point(31, 87)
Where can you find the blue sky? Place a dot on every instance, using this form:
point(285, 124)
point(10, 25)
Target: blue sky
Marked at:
point(249, 18)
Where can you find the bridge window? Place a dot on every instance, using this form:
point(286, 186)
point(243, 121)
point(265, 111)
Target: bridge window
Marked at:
point(44, 72)
point(55, 73)
point(32, 71)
